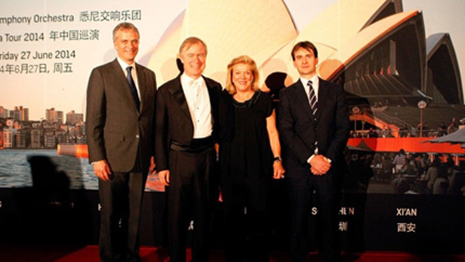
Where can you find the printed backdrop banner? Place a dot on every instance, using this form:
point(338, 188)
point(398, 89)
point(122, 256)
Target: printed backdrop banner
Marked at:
point(399, 61)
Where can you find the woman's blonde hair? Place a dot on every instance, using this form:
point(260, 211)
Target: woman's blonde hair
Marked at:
point(243, 59)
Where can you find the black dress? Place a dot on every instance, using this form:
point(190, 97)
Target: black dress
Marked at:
point(246, 162)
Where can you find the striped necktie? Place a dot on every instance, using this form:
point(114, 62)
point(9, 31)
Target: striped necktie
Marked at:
point(313, 100)
point(314, 106)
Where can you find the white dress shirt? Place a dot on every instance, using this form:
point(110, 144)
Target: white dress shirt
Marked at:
point(198, 100)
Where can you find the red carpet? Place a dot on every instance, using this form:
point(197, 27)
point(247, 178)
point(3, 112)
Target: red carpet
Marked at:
point(60, 253)
point(90, 254)
point(151, 254)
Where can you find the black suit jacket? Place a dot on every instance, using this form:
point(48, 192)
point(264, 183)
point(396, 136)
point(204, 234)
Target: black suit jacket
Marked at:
point(173, 119)
point(115, 128)
point(299, 131)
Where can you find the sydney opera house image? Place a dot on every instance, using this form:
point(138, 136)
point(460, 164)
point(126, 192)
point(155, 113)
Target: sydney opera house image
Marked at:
point(375, 49)
point(401, 84)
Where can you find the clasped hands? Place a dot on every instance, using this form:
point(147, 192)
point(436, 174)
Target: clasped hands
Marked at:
point(320, 165)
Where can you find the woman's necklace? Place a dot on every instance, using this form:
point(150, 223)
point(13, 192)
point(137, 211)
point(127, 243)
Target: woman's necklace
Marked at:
point(242, 97)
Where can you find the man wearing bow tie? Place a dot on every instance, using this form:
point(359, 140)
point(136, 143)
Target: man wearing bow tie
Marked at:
point(186, 127)
point(313, 122)
point(120, 136)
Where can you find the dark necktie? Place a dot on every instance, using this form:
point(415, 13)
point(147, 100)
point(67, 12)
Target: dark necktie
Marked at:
point(313, 100)
point(132, 87)
point(314, 106)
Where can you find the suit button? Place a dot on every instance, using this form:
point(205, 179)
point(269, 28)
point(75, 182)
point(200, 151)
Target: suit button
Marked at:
point(137, 136)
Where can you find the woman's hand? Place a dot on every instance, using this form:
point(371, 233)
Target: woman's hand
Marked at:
point(278, 170)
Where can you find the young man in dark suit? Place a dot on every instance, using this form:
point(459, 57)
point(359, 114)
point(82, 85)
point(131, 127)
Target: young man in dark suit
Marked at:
point(186, 126)
point(120, 137)
point(313, 122)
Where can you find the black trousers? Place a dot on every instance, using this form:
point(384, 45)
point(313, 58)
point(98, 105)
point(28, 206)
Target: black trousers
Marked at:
point(189, 198)
point(328, 198)
point(121, 204)
point(246, 218)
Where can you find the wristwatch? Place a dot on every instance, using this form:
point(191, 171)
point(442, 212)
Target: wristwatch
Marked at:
point(278, 158)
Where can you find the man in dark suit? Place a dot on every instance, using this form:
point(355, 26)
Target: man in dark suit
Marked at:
point(186, 127)
point(120, 134)
point(313, 121)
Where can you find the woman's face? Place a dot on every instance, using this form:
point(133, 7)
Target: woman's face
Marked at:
point(242, 77)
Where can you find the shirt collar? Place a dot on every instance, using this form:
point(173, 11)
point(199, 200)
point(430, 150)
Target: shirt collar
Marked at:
point(124, 65)
point(191, 81)
point(315, 81)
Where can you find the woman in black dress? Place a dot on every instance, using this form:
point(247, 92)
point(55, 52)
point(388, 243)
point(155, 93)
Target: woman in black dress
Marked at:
point(250, 157)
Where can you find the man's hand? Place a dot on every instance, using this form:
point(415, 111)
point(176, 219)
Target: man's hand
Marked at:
point(102, 170)
point(320, 165)
point(164, 177)
point(152, 169)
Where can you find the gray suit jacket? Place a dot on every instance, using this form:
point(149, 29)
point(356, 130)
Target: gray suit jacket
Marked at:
point(116, 130)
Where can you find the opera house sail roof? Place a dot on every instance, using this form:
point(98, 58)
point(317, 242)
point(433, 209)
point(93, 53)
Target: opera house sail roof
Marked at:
point(444, 83)
point(374, 48)
point(384, 63)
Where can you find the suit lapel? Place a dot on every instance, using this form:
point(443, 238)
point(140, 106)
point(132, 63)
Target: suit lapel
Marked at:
point(123, 83)
point(213, 100)
point(142, 86)
point(179, 97)
point(322, 96)
point(303, 99)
